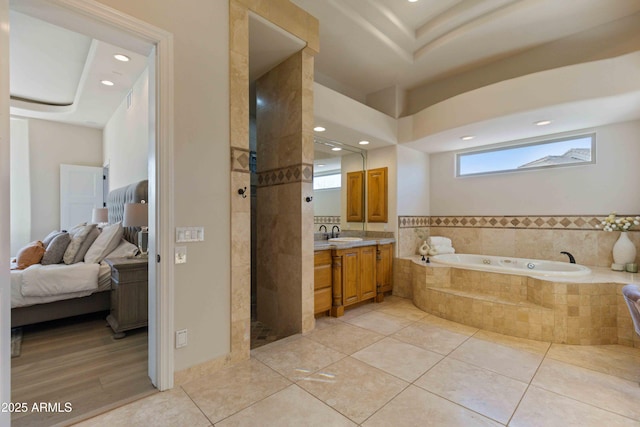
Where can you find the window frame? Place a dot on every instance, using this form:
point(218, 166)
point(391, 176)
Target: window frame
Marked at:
point(529, 143)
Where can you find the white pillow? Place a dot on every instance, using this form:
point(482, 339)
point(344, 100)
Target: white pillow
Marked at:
point(106, 242)
point(124, 250)
point(77, 239)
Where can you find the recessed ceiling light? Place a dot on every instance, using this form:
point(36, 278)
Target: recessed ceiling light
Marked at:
point(543, 123)
point(363, 142)
point(319, 129)
point(121, 57)
point(412, 1)
point(467, 138)
point(107, 82)
point(321, 165)
point(336, 149)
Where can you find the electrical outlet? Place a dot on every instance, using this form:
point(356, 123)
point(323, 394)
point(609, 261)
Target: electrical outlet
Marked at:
point(181, 338)
point(181, 254)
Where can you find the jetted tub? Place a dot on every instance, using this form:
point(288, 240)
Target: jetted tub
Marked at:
point(522, 266)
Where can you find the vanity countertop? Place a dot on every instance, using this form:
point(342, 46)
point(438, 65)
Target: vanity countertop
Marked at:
point(323, 245)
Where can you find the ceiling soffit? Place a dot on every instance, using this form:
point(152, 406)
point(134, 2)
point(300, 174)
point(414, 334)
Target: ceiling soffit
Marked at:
point(369, 45)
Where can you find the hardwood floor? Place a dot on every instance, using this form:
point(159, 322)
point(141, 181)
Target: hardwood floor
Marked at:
point(77, 361)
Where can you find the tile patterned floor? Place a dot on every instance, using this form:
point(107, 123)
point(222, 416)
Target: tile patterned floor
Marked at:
point(391, 364)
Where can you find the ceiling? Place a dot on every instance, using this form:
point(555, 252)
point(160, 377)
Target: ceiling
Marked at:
point(56, 73)
point(370, 45)
point(366, 46)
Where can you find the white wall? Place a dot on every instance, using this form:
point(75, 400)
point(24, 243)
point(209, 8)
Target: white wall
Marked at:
point(413, 182)
point(126, 137)
point(609, 185)
point(201, 166)
point(20, 185)
point(50, 145)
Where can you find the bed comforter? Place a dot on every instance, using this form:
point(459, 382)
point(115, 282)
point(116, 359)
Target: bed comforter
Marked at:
point(39, 284)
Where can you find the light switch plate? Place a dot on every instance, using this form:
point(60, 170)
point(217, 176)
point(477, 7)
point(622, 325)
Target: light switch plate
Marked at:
point(181, 254)
point(189, 234)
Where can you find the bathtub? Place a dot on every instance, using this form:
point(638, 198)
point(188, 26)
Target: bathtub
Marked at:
point(522, 266)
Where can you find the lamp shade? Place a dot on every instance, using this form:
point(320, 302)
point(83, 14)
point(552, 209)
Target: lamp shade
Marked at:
point(99, 215)
point(135, 215)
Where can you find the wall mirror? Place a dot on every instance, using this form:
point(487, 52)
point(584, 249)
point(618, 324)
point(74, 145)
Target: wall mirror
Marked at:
point(333, 160)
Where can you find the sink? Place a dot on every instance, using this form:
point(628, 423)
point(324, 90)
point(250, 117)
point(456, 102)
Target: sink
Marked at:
point(346, 239)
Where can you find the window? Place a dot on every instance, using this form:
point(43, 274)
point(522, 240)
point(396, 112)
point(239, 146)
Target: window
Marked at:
point(542, 154)
point(325, 182)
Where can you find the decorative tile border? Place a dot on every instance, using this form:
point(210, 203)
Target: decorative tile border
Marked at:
point(554, 222)
point(548, 222)
point(287, 175)
point(326, 220)
point(240, 160)
point(413, 221)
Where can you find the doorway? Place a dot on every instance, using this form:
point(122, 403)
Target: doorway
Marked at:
point(117, 28)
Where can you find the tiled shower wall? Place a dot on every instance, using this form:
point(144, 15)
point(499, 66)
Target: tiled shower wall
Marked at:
point(541, 237)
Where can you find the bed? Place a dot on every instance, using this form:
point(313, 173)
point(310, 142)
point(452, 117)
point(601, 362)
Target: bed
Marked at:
point(27, 310)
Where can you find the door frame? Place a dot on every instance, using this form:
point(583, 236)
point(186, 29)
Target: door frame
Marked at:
point(161, 191)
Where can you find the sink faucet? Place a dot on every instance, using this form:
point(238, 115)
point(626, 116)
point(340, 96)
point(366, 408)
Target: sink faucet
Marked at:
point(572, 260)
point(333, 233)
point(320, 228)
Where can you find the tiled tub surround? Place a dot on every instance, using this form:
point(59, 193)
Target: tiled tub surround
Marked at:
point(587, 311)
point(537, 237)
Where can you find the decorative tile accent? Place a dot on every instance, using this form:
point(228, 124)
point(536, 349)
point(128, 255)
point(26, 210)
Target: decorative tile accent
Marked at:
point(413, 221)
point(555, 222)
point(286, 175)
point(326, 220)
point(240, 160)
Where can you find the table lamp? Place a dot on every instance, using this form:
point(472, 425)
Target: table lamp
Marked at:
point(136, 215)
point(100, 215)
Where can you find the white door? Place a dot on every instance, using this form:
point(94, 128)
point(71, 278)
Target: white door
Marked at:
point(80, 192)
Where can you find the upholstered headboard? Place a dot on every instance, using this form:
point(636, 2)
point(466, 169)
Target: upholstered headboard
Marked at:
point(132, 193)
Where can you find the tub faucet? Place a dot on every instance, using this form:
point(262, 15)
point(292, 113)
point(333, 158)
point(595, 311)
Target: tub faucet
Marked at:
point(572, 260)
point(333, 233)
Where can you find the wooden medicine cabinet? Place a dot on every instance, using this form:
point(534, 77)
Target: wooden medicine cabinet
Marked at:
point(355, 196)
point(377, 195)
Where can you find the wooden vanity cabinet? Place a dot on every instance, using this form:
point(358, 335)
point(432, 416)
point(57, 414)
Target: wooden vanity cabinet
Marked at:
point(384, 270)
point(354, 277)
point(322, 282)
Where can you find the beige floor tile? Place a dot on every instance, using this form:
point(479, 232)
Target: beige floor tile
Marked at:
point(512, 362)
point(350, 313)
point(345, 338)
point(297, 359)
point(234, 388)
point(403, 310)
point(289, 407)
point(595, 388)
point(326, 322)
point(430, 337)
point(171, 408)
point(618, 360)
point(353, 388)
point(417, 407)
point(544, 408)
point(480, 390)
point(403, 360)
point(532, 346)
point(379, 322)
point(458, 328)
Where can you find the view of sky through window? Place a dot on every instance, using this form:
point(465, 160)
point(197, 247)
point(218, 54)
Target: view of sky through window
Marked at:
point(547, 153)
point(325, 182)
